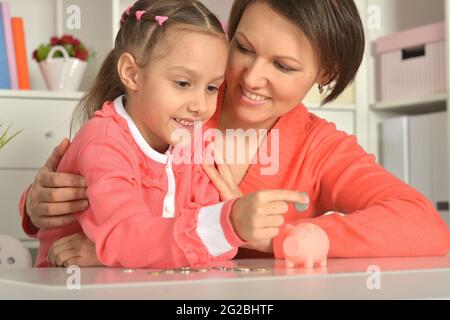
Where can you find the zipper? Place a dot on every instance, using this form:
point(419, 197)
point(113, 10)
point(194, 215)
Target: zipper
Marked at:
point(169, 199)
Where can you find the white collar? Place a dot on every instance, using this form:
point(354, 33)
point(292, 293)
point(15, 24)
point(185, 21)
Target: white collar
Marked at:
point(136, 134)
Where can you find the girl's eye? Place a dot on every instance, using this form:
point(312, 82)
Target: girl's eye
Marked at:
point(282, 67)
point(182, 84)
point(213, 89)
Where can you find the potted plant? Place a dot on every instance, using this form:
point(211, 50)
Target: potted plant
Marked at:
point(4, 139)
point(62, 62)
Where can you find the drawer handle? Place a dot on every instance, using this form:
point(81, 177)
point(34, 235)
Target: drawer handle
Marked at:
point(414, 52)
point(49, 134)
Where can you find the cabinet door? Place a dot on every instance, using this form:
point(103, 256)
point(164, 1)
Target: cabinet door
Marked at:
point(12, 184)
point(44, 124)
point(344, 120)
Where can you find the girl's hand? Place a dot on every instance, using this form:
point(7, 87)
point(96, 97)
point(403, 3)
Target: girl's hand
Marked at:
point(262, 245)
point(222, 178)
point(75, 249)
point(258, 216)
point(54, 197)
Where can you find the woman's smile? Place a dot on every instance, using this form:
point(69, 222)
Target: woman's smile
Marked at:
point(253, 99)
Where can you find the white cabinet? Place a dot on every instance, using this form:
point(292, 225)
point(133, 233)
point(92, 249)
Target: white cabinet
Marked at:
point(400, 15)
point(12, 184)
point(44, 118)
point(44, 123)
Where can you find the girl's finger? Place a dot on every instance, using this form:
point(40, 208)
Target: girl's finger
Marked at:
point(274, 221)
point(276, 208)
point(65, 255)
point(56, 250)
point(73, 238)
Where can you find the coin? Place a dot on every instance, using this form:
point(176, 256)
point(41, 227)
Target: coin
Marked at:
point(302, 206)
point(201, 270)
point(169, 271)
point(154, 273)
point(242, 269)
point(225, 269)
point(182, 269)
point(260, 269)
point(128, 271)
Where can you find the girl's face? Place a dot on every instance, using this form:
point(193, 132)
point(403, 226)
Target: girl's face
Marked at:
point(179, 87)
point(271, 67)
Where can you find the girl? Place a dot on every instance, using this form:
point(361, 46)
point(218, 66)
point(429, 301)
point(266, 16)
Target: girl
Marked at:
point(279, 50)
point(163, 74)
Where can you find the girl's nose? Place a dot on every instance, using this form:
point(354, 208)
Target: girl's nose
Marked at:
point(198, 106)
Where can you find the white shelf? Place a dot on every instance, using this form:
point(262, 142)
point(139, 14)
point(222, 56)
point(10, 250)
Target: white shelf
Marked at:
point(41, 94)
point(427, 104)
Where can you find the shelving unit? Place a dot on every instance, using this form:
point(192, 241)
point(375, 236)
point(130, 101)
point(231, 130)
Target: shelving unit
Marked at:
point(413, 106)
point(40, 94)
point(400, 15)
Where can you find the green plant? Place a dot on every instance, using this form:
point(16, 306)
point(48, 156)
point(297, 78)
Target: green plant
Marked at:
point(74, 47)
point(4, 139)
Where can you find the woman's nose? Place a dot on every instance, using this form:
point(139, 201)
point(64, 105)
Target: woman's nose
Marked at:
point(255, 76)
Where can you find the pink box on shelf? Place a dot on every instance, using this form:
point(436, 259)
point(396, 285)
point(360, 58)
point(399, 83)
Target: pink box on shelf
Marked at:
point(411, 63)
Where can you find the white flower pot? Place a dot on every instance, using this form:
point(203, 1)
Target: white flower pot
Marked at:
point(63, 74)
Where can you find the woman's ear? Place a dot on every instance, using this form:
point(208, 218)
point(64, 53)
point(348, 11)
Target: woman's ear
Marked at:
point(128, 71)
point(323, 78)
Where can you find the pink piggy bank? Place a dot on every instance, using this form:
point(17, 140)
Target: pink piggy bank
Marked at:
point(305, 245)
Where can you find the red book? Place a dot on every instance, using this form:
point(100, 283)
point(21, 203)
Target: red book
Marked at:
point(21, 53)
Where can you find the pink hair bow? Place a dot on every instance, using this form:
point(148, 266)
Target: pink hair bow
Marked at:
point(139, 15)
point(128, 10)
point(161, 19)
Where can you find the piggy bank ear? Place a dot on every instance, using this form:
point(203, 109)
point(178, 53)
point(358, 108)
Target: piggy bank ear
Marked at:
point(291, 247)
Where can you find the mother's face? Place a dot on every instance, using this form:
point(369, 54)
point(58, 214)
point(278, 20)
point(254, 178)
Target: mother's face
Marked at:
point(271, 67)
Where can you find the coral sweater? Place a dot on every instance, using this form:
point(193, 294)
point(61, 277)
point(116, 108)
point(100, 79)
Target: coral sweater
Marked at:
point(146, 209)
point(365, 210)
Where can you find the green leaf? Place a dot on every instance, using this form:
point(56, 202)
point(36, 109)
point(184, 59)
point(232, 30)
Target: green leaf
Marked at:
point(4, 139)
point(43, 51)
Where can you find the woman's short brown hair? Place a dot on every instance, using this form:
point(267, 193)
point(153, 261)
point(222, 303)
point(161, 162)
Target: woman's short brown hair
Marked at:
point(334, 28)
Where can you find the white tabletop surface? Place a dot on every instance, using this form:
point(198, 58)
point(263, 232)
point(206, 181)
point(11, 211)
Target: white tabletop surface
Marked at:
point(398, 278)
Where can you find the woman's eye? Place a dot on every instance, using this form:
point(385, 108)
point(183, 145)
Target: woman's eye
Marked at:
point(182, 84)
point(241, 48)
point(282, 67)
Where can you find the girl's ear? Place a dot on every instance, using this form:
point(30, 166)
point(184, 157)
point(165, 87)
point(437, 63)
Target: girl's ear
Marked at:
point(128, 71)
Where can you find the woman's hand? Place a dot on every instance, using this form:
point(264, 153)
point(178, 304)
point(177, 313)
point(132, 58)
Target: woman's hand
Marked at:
point(258, 216)
point(75, 249)
point(222, 178)
point(54, 197)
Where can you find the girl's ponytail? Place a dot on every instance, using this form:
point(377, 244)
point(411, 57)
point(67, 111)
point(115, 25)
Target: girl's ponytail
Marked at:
point(106, 87)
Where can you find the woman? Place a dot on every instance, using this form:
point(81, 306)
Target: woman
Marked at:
point(279, 51)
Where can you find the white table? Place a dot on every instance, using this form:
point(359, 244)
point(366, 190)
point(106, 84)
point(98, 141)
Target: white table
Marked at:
point(399, 278)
